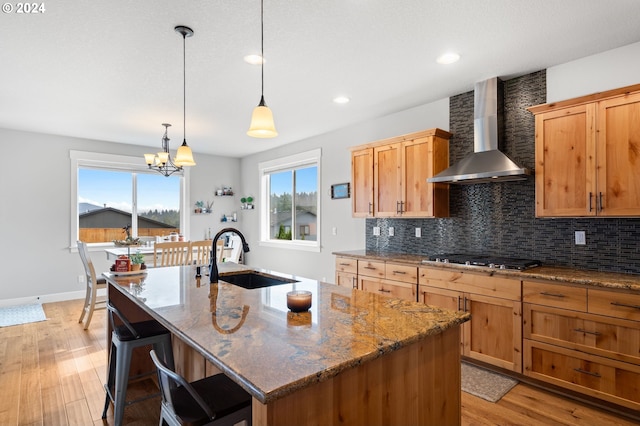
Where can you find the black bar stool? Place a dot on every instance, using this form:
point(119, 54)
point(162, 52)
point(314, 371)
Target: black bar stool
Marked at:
point(124, 339)
point(215, 400)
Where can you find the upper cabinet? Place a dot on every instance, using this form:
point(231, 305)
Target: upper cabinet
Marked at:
point(389, 177)
point(588, 155)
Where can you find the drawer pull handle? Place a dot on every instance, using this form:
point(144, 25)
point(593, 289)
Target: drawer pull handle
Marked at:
point(399, 272)
point(345, 264)
point(384, 291)
point(580, 370)
point(580, 330)
point(370, 267)
point(624, 305)
point(546, 293)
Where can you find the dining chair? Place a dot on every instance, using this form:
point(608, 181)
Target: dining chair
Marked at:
point(173, 253)
point(201, 252)
point(214, 400)
point(91, 300)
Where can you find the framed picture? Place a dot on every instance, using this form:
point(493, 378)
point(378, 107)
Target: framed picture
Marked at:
point(340, 190)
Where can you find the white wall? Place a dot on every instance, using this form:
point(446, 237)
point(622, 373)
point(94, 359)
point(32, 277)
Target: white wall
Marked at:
point(597, 73)
point(35, 190)
point(336, 168)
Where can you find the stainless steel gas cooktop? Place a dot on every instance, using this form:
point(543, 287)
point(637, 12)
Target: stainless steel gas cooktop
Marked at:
point(494, 262)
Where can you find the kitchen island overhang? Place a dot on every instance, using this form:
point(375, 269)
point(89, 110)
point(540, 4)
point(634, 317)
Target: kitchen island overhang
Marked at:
point(280, 356)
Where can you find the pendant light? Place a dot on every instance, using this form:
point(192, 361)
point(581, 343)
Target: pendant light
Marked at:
point(184, 157)
point(262, 125)
point(162, 162)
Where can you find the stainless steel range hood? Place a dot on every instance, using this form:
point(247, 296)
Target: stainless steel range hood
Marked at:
point(487, 163)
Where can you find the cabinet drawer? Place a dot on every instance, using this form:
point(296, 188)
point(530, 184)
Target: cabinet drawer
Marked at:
point(603, 378)
point(346, 264)
point(345, 279)
point(404, 273)
point(609, 337)
point(615, 304)
point(556, 295)
point(484, 283)
point(390, 288)
point(371, 269)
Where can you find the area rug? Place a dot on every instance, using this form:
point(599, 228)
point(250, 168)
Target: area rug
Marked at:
point(485, 384)
point(21, 314)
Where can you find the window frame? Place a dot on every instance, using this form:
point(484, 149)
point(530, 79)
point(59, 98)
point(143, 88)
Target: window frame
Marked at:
point(291, 162)
point(123, 163)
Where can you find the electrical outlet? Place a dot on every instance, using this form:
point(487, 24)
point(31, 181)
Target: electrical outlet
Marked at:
point(376, 231)
point(418, 232)
point(81, 279)
point(334, 231)
point(392, 231)
point(581, 238)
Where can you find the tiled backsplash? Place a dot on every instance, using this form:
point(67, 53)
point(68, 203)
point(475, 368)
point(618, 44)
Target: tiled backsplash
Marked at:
point(499, 218)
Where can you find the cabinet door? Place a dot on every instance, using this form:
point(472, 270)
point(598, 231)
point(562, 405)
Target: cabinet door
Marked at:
point(387, 180)
point(345, 279)
point(494, 334)
point(565, 162)
point(423, 158)
point(440, 297)
point(618, 161)
point(362, 182)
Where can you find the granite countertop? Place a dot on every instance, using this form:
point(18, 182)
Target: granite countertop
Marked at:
point(271, 352)
point(611, 280)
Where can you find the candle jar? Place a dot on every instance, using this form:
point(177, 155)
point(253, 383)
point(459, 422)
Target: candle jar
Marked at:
point(299, 300)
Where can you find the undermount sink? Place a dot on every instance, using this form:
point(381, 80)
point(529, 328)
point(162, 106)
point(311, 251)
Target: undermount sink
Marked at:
point(254, 279)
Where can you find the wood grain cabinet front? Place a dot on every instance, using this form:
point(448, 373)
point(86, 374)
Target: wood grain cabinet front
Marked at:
point(389, 279)
point(587, 152)
point(346, 272)
point(584, 339)
point(494, 334)
point(389, 177)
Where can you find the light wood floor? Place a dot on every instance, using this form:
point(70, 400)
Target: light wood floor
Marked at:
point(52, 372)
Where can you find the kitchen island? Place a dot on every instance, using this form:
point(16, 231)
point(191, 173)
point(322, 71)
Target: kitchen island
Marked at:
point(354, 358)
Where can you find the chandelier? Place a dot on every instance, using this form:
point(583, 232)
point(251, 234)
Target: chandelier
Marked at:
point(262, 125)
point(162, 162)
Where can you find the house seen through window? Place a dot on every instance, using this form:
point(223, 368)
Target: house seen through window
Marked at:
point(109, 200)
point(290, 211)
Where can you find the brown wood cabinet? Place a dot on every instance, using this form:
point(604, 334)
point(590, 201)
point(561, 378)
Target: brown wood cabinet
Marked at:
point(494, 334)
point(346, 272)
point(362, 182)
point(587, 155)
point(388, 279)
point(583, 339)
point(389, 177)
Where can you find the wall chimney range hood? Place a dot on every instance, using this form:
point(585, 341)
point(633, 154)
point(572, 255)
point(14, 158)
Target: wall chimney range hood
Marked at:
point(487, 163)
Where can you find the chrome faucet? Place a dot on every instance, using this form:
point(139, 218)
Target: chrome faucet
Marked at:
point(213, 266)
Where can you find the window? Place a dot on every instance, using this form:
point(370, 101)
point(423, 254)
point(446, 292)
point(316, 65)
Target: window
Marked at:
point(290, 211)
point(109, 190)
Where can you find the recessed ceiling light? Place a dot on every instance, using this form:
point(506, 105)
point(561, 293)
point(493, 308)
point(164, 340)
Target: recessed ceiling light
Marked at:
point(341, 99)
point(253, 59)
point(448, 58)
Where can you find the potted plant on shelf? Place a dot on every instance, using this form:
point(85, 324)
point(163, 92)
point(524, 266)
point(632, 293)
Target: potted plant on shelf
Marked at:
point(246, 202)
point(137, 261)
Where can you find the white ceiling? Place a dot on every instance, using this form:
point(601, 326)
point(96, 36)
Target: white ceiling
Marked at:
point(112, 69)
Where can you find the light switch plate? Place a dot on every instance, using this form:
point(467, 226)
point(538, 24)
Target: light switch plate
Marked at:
point(581, 238)
point(376, 231)
point(392, 231)
point(418, 232)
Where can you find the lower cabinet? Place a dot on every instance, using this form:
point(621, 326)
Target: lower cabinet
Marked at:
point(388, 279)
point(346, 272)
point(494, 334)
point(583, 339)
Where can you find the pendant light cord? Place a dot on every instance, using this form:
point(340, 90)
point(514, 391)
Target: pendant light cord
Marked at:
point(262, 45)
point(184, 87)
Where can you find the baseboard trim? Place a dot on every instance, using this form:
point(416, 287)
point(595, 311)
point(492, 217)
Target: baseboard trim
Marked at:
point(47, 298)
